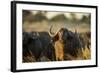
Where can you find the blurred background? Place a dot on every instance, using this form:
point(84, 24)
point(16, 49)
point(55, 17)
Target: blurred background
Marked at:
point(40, 21)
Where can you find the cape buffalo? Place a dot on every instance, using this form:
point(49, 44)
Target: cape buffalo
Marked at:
point(31, 42)
point(66, 43)
point(35, 42)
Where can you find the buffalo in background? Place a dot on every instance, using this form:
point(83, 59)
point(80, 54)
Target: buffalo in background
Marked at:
point(41, 46)
point(34, 43)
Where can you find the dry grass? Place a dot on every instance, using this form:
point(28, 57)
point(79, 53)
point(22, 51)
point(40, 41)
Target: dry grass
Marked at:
point(82, 54)
point(86, 53)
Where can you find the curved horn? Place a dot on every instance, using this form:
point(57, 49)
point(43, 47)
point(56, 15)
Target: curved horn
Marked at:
point(50, 32)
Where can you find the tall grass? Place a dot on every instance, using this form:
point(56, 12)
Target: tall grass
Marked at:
point(86, 53)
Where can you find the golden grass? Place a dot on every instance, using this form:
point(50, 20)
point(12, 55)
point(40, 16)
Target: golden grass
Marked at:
point(86, 53)
point(83, 54)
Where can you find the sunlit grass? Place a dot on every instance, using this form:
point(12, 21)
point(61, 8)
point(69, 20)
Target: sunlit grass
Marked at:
point(86, 53)
point(82, 54)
